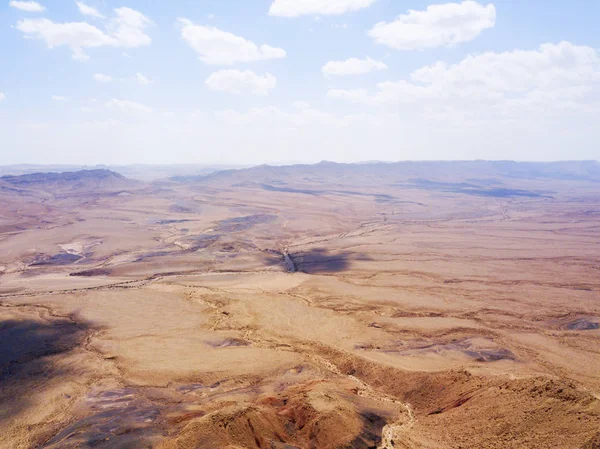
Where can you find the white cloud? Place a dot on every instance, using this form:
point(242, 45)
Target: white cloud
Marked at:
point(27, 6)
point(76, 35)
point(138, 78)
point(101, 78)
point(238, 82)
point(126, 29)
point(87, 10)
point(296, 8)
point(551, 79)
point(439, 25)
point(59, 98)
point(86, 109)
point(127, 106)
point(352, 66)
point(217, 47)
point(2, 96)
point(141, 79)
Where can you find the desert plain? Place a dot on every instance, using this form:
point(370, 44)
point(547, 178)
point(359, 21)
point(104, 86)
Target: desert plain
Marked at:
point(438, 305)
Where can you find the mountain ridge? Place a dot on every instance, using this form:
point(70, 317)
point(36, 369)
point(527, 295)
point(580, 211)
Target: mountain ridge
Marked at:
point(97, 178)
point(406, 170)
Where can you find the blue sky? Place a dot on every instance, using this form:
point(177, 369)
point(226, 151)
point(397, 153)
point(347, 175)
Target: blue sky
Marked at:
point(105, 81)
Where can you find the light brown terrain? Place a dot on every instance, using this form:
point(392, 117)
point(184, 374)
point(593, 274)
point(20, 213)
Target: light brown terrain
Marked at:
point(424, 305)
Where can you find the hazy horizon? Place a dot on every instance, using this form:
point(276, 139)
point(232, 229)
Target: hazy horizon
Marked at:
point(269, 81)
point(286, 163)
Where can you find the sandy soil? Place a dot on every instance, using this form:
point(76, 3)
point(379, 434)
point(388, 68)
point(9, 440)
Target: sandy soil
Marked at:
point(295, 309)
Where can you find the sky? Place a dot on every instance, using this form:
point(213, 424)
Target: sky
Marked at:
point(276, 81)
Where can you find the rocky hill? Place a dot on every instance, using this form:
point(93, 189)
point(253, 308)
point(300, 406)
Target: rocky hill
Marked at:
point(79, 180)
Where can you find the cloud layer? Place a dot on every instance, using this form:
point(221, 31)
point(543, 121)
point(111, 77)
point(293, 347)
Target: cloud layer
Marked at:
point(126, 29)
point(138, 78)
point(554, 77)
point(239, 82)
point(27, 6)
point(87, 10)
point(352, 66)
point(439, 25)
point(217, 47)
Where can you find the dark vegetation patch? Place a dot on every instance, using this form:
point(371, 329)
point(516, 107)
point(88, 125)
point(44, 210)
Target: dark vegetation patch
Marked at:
point(244, 223)
point(91, 273)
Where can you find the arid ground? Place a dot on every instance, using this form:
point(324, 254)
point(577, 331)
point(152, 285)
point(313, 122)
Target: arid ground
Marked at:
point(410, 305)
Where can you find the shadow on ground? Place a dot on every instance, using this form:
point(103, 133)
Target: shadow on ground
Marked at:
point(28, 346)
point(22, 341)
point(321, 260)
point(465, 188)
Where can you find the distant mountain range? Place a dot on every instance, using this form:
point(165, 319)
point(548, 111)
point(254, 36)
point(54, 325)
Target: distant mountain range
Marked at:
point(485, 171)
point(142, 172)
point(78, 180)
point(451, 176)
